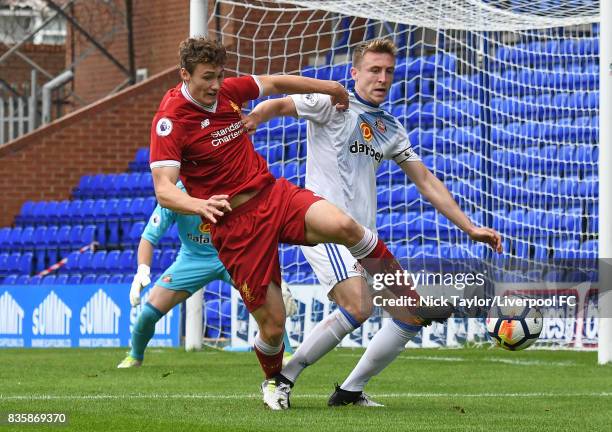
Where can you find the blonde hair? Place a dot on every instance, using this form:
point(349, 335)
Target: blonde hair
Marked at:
point(381, 45)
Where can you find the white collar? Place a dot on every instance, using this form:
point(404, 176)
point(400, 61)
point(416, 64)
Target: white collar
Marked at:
point(185, 90)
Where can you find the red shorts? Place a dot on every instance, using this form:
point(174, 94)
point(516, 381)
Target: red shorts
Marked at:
point(247, 238)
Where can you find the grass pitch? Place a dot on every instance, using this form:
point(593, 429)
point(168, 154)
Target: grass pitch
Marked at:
point(474, 389)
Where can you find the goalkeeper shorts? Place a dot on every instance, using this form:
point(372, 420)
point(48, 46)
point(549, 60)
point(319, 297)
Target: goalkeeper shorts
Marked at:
point(192, 273)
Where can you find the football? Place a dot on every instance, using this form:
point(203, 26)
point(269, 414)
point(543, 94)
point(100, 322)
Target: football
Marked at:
point(514, 325)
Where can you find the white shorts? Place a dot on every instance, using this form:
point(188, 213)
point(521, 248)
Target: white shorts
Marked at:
point(332, 263)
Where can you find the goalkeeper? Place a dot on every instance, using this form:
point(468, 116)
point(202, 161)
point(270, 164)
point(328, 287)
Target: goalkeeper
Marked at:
point(177, 283)
point(345, 149)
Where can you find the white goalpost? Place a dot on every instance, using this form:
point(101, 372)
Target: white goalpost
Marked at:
point(506, 101)
point(605, 181)
point(198, 26)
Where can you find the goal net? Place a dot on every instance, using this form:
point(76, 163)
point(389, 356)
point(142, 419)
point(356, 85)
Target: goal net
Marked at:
point(501, 100)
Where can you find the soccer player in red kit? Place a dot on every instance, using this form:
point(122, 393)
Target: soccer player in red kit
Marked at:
point(198, 135)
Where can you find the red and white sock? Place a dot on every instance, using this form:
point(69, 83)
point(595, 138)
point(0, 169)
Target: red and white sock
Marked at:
point(270, 357)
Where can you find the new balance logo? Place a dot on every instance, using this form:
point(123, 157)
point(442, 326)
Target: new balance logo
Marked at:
point(11, 315)
point(51, 317)
point(204, 123)
point(100, 315)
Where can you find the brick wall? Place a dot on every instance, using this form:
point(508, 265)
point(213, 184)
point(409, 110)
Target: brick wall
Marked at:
point(101, 138)
point(15, 71)
point(158, 27)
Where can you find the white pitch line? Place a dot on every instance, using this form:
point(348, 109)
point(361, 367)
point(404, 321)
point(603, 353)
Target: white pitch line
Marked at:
point(298, 396)
point(529, 362)
point(518, 362)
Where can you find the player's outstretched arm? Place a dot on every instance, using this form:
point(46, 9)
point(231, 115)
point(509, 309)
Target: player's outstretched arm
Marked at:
point(267, 110)
point(294, 84)
point(438, 195)
point(171, 197)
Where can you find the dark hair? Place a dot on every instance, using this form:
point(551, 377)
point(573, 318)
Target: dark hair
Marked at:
point(193, 51)
point(381, 45)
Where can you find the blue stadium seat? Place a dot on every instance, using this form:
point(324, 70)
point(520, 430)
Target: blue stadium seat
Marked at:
point(102, 279)
point(60, 213)
point(421, 140)
point(5, 234)
point(141, 160)
point(116, 278)
point(88, 235)
point(148, 206)
point(111, 263)
point(396, 93)
point(4, 269)
point(50, 243)
point(136, 210)
point(145, 186)
point(48, 279)
point(61, 279)
point(82, 188)
point(86, 212)
point(589, 249)
point(25, 214)
point(89, 278)
point(27, 239)
point(12, 262)
point(583, 132)
point(133, 236)
point(589, 187)
point(590, 76)
point(125, 217)
point(99, 219)
point(96, 187)
point(10, 280)
point(22, 280)
point(290, 172)
point(62, 240)
point(75, 237)
point(35, 280)
point(112, 222)
point(73, 212)
point(74, 279)
point(127, 261)
point(14, 239)
point(98, 262)
point(121, 185)
point(72, 263)
point(38, 213)
point(85, 262)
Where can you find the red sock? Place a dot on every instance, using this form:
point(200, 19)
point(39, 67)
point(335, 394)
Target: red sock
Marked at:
point(271, 364)
point(381, 260)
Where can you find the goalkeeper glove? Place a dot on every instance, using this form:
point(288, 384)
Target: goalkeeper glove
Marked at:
point(290, 306)
point(141, 280)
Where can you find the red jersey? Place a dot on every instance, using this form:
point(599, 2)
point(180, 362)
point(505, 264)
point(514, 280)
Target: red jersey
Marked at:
point(209, 144)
